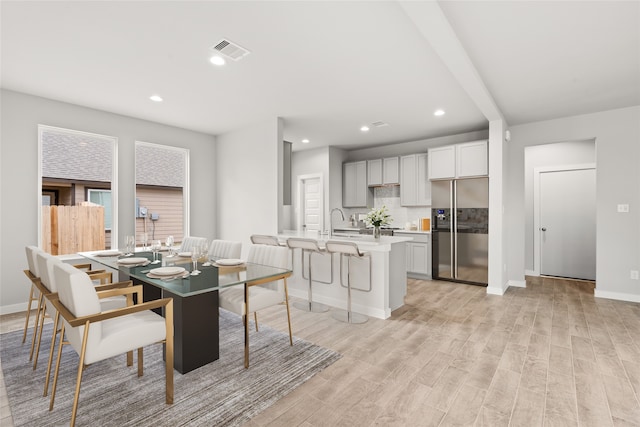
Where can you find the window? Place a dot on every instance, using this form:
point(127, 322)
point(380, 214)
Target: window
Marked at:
point(76, 167)
point(161, 192)
point(102, 198)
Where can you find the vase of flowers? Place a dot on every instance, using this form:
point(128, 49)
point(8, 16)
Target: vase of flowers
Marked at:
point(377, 218)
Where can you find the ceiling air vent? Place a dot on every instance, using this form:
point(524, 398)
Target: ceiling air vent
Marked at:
point(230, 50)
point(379, 124)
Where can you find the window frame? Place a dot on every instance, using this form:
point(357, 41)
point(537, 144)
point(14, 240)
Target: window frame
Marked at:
point(114, 177)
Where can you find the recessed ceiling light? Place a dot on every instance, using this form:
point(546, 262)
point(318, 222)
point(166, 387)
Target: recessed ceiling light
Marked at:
point(438, 113)
point(217, 60)
point(364, 128)
point(305, 141)
point(156, 98)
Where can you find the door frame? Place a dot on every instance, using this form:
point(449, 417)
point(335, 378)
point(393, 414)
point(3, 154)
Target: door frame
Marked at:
point(537, 247)
point(300, 194)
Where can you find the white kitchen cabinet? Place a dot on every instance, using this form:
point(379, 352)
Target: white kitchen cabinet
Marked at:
point(415, 188)
point(442, 162)
point(459, 161)
point(374, 172)
point(471, 159)
point(391, 171)
point(383, 172)
point(355, 192)
point(418, 253)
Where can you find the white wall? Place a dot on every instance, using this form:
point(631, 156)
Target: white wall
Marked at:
point(20, 115)
point(249, 175)
point(617, 136)
point(562, 153)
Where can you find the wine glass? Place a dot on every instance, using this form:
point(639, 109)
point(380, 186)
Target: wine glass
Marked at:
point(195, 254)
point(145, 241)
point(130, 244)
point(170, 245)
point(156, 245)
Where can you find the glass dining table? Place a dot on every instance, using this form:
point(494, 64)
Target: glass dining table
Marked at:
point(195, 297)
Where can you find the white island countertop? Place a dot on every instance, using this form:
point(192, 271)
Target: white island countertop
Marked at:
point(364, 241)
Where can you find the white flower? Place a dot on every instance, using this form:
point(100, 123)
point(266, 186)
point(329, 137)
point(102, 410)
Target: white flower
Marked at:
point(378, 217)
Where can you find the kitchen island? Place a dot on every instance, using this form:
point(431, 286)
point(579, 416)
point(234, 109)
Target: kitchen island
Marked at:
point(388, 274)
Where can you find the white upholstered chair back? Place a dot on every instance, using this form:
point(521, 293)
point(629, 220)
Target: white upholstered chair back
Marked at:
point(347, 248)
point(45, 263)
point(31, 259)
point(274, 256)
point(189, 242)
point(78, 295)
point(225, 249)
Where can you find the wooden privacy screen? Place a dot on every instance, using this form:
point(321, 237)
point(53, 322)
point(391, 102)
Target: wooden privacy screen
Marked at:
point(71, 229)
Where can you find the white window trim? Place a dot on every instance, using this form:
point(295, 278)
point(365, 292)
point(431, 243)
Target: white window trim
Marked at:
point(114, 178)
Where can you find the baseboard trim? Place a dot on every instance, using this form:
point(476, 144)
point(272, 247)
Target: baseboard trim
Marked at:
point(616, 295)
point(14, 308)
point(531, 273)
point(518, 283)
point(494, 290)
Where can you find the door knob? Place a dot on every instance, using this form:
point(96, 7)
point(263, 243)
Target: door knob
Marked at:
point(544, 229)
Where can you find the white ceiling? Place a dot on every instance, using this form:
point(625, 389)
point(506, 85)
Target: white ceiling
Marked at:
point(325, 67)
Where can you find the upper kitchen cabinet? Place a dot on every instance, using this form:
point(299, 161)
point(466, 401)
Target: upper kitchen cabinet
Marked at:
point(415, 188)
point(383, 172)
point(471, 159)
point(459, 161)
point(355, 192)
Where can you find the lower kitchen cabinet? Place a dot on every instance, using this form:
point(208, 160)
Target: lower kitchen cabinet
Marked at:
point(418, 255)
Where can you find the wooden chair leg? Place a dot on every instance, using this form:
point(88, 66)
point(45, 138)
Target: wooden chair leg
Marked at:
point(39, 338)
point(286, 300)
point(255, 319)
point(53, 344)
point(76, 396)
point(129, 358)
point(26, 321)
point(35, 326)
point(245, 319)
point(168, 314)
point(55, 374)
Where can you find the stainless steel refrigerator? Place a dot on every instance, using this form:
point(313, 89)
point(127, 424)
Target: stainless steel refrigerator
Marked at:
point(460, 230)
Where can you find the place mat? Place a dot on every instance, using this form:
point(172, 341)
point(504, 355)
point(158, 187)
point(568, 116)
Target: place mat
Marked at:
point(108, 253)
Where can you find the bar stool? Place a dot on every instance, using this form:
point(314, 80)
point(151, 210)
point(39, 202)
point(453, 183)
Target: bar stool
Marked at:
point(261, 239)
point(351, 251)
point(310, 247)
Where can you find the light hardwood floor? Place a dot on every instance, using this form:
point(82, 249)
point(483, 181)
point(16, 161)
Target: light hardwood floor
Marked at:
point(549, 354)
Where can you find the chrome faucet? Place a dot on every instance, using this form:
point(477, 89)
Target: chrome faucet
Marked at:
point(331, 219)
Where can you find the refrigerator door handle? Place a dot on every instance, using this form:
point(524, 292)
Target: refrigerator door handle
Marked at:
point(454, 230)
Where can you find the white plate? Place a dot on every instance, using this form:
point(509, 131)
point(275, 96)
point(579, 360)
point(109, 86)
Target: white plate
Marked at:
point(230, 261)
point(108, 253)
point(132, 260)
point(166, 271)
point(184, 254)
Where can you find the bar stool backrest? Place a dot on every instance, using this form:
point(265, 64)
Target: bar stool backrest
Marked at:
point(305, 244)
point(347, 248)
point(261, 239)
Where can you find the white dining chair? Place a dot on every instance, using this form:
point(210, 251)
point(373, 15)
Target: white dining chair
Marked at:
point(260, 294)
point(98, 335)
point(49, 289)
point(225, 249)
point(189, 242)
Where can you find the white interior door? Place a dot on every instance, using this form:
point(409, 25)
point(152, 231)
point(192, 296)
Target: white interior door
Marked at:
point(568, 223)
point(312, 209)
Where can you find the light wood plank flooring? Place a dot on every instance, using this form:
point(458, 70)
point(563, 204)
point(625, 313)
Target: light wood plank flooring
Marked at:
point(550, 354)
